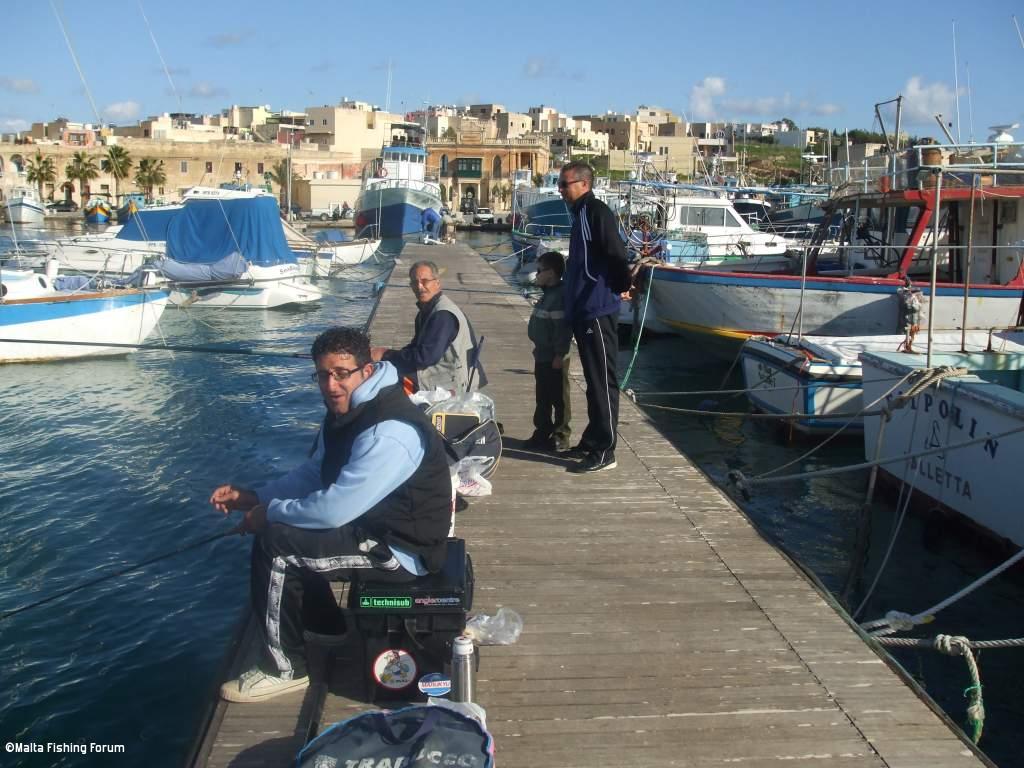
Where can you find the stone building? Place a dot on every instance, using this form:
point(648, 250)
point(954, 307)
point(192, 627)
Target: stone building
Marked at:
point(473, 167)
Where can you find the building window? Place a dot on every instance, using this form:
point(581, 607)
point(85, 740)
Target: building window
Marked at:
point(238, 167)
point(325, 121)
point(259, 168)
point(209, 167)
point(160, 190)
point(184, 166)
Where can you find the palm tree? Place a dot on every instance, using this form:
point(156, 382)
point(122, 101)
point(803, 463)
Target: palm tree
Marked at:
point(82, 169)
point(40, 170)
point(117, 163)
point(150, 174)
point(279, 175)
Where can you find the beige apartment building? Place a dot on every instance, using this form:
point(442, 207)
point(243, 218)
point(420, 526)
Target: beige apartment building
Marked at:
point(353, 129)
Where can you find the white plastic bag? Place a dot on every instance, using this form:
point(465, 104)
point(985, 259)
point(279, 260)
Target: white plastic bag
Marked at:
point(503, 628)
point(471, 480)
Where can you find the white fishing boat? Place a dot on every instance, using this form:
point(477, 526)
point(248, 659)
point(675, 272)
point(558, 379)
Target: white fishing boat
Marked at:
point(232, 254)
point(24, 206)
point(821, 376)
point(680, 212)
point(982, 408)
point(887, 239)
point(36, 316)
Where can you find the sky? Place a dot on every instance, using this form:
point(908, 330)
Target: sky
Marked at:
point(822, 63)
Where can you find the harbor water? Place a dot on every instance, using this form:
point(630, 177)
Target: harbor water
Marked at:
point(109, 462)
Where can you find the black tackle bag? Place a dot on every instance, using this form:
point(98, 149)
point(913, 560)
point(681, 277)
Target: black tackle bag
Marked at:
point(412, 737)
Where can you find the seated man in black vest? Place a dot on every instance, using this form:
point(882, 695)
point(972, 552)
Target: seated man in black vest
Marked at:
point(374, 498)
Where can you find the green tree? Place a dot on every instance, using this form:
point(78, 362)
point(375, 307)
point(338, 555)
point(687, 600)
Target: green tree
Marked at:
point(82, 169)
point(150, 174)
point(788, 123)
point(118, 163)
point(449, 134)
point(40, 170)
point(279, 175)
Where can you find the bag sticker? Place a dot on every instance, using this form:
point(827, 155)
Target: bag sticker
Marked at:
point(394, 669)
point(435, 684)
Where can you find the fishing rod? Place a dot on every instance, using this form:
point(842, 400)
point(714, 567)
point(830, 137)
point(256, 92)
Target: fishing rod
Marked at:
point(166, 348)
point(93, 582)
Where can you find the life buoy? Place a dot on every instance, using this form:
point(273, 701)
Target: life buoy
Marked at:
point(383, 172)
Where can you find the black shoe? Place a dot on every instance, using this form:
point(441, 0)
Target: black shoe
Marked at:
point(538, 443)
point(595, 463)
point(578, 451)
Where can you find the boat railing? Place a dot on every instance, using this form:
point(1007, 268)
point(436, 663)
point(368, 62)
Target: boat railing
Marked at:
point(988, 164)
point(388, 183)
point(549, 230)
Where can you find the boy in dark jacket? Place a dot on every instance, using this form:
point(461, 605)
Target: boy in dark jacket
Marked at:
point(551, 337)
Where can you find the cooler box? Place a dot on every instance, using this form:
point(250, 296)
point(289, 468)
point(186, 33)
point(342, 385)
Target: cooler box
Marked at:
point(406, 630)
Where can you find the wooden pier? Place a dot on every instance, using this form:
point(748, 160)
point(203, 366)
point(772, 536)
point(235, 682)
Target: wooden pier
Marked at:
point(660, 629)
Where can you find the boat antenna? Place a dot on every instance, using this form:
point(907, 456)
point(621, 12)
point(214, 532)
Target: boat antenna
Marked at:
point(970, 103)
point(74, 58)
point(160, 55)
point(956, 84)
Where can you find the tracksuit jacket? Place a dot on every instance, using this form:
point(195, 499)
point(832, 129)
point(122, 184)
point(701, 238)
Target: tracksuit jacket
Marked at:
point(597, 270)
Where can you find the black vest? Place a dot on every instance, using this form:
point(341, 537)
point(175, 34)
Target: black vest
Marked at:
point(415, 516)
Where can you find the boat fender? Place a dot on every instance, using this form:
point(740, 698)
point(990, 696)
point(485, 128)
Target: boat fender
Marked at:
point(383, 171)
point(51, 269)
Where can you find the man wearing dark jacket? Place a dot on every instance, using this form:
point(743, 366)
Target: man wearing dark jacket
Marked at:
point(596, 273)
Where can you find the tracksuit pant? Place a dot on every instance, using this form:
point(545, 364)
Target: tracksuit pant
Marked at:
point(598, 344)
point(552, 413)
point(290, 585)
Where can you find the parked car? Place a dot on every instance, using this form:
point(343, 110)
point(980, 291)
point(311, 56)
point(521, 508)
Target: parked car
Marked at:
point(483, 216)
point(62, 206)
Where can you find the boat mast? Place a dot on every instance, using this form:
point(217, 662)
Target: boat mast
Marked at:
point(937, 213)
point(956, 84)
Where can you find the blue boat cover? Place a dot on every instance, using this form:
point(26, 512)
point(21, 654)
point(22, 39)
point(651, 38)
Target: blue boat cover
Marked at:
point(228, 268)
point(207, 231)
point(148, 224)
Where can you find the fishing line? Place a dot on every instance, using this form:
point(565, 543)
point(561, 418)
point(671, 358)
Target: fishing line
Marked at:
point(166, 347)
point(115, 574)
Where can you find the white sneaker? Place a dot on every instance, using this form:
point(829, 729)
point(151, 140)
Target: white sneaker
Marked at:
point(257, 685)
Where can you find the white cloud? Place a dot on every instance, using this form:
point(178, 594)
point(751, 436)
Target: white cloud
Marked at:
point(205, 90)
point(121, 111)
point(13, 124)
point(18, 85)
point(824, 110)
point(702, 97)
point(923, 101)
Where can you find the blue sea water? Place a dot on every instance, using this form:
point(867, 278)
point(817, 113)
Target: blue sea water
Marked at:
point(105, 463)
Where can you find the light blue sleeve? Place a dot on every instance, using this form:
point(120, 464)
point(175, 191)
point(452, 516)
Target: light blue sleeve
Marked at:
point(299, 482)
point(383, 457)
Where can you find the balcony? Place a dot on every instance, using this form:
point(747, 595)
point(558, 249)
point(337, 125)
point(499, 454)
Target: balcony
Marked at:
point(461, 173)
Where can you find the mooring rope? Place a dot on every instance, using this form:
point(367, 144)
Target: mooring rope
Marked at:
point(898, 621)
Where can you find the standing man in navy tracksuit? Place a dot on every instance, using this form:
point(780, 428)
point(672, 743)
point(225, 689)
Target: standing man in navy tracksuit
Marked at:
point(596, 273)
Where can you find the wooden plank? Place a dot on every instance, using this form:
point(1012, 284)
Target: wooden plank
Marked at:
point(660, 629)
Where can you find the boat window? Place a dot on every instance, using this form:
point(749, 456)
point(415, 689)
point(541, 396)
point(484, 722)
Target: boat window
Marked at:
point(731, 220)
point(706, 216)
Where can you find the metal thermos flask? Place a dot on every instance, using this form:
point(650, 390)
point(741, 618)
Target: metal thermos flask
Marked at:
point(462, 669)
